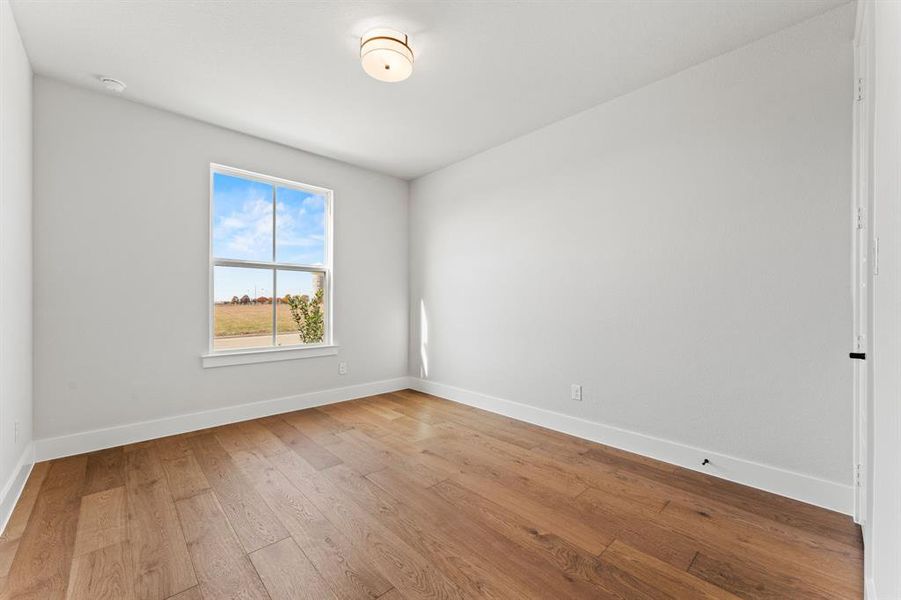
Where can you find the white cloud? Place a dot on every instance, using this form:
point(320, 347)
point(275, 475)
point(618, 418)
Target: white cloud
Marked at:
point(247, 232)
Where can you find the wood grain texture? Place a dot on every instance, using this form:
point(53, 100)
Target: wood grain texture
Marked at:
point(653, 575)
point(309, 450)
point(22, 511)
point(9, 541)
point(102, 574)
point(401, 564)
point(348, 572)
point(102, 521)
point(404, 496)
point(288, 574)
point(106, 469)
point(41, 566)
point(190, 594)
point(183, 473)
point(161, 565)
point(252, 520)
point(224, 570)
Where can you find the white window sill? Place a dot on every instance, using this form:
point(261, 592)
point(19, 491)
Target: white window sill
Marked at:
point(248, 357)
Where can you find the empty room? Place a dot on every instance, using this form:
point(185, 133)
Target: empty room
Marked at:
point(444, 300)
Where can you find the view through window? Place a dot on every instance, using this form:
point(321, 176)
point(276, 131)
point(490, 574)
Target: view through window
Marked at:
point(271, 263)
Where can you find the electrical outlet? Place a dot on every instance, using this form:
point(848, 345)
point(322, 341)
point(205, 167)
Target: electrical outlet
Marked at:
point(342, 368)
point(575, 392)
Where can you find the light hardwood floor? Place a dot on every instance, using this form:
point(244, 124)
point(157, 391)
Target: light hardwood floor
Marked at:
point(408, 496)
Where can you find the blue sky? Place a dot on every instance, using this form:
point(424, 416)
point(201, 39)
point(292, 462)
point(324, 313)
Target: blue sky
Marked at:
point(242, 229)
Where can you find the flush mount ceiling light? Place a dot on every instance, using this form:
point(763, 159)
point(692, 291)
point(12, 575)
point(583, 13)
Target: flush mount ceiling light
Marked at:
point(386, 55)
point(113, 85)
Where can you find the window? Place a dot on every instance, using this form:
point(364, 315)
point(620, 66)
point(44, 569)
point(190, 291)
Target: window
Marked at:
point(270, 263)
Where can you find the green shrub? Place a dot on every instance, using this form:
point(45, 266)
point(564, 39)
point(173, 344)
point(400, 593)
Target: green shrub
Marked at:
point(309, 316)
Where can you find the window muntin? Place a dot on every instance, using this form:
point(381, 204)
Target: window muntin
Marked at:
point(270, 267)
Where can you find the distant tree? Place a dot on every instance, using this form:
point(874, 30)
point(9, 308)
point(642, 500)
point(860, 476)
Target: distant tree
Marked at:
point(245, 299)
point(263, 300)
point(235, 300)
point(308, 316)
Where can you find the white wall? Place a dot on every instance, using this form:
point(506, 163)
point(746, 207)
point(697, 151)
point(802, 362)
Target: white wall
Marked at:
point(883, 528)
point(121, 265)
point(15, 255)
point(682, 252)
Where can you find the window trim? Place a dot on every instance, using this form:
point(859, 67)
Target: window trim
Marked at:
point(328, 346)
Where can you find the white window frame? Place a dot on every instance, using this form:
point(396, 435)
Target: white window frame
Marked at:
point(219, 358)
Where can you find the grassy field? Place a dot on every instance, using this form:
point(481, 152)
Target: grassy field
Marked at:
point(250, 319)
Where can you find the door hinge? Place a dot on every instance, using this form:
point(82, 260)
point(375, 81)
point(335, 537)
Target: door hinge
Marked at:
point(859, 89)
point(857, 475)
point(861, 218)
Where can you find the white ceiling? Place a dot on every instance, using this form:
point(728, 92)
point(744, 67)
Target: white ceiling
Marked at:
point(485, 73)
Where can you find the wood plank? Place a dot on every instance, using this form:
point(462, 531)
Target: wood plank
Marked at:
point(8, 551)
point(515, 570)
point(540, 506)
point(305, 447)
point(160, 561)
point(41, 566)
point(734, 517)
point(573, 477)
point(645, 532)
point(754, 582)
point(288, 574)
point(386, 412)
point(665, 580)
point(771, 506)
point(497, 426)
point(354, 417)
point(232, 438)
point(437, 543)
point(261, 438)
point(253, 521)
point(413, 575)
point(102, 574)
point(315, 424)
point(224, 570)
point(433, 468)
point(760, 546)
point(414, 430)
point(457, 502)
point(343, 566)
point(486, 454)
point(183, 473)
point(366, 454)
point(106, 470)
point(415, 409)
point(15, 527)
point(191, 594)
point(569, 560)
point(102, 521)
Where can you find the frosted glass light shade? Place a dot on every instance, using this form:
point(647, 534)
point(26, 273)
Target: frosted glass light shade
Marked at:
point(386, 55)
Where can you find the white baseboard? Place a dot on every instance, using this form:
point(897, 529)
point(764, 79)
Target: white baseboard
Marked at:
point(812, 490)
point(869, 591)
point(97, 439)
point(12, 489)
